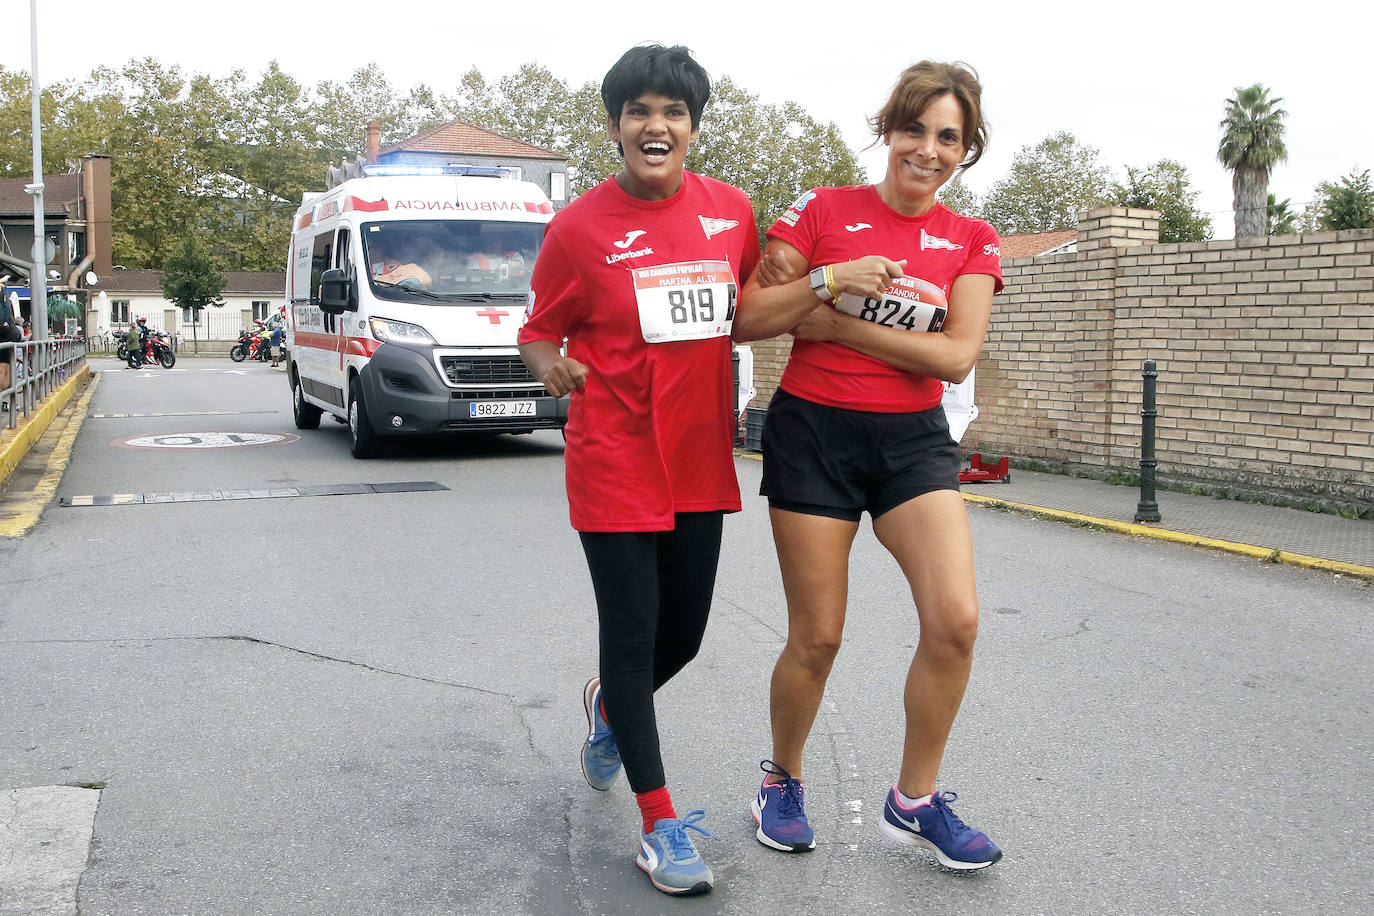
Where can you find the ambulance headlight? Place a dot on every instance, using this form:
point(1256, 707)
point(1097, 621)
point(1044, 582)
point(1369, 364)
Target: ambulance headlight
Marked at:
point(400, 332)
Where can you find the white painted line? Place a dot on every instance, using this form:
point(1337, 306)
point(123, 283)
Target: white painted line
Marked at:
point(45, 842)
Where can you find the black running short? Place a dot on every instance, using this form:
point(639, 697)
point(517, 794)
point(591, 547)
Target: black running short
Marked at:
point(830, 461)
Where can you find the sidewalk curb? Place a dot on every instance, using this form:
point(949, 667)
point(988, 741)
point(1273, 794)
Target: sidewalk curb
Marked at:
point(57, 463)
point(1268, 554)
point(13, 451)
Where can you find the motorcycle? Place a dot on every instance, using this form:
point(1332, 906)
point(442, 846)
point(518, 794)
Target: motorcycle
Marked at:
point(156, 349)
point(122, 350)
point(251, 345)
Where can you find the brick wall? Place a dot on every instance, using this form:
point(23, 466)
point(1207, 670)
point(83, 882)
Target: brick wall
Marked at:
point(1264, 347)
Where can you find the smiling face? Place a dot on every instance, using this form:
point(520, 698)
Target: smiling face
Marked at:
point(655, 132)
point(923, 155)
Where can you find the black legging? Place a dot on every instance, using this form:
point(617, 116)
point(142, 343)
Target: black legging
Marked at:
point(653, 595)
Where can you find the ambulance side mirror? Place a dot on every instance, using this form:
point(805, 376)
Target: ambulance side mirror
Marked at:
point(335, 291)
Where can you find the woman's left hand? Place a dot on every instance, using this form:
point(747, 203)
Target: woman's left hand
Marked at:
point(774, 269)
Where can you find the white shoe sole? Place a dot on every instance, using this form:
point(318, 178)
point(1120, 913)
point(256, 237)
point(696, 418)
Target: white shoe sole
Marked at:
point(897, 835)
point(768, 841)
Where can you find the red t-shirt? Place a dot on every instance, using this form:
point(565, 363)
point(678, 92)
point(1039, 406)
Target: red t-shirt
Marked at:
point(828, 225)
point(650, 434)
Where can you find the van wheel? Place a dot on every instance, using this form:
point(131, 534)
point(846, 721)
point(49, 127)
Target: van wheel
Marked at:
point(362, 441)
point(307, 416)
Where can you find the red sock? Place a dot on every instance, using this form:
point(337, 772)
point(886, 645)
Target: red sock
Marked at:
point(601, 706)
point(654, 806)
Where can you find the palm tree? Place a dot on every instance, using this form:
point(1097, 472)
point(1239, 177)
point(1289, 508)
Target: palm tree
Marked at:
point(1282, 220)
point(1251, 145)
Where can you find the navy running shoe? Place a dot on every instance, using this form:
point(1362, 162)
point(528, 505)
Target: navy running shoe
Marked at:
point(670, 859)
point(936, 827)
point(600, 755)
point(779, 812)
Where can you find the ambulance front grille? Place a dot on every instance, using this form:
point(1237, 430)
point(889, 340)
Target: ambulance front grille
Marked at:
point(486, 371)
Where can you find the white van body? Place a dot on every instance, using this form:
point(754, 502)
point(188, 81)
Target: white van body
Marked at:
point(413, 329)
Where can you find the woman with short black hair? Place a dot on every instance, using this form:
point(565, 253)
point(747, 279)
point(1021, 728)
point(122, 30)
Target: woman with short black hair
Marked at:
point(640, 276)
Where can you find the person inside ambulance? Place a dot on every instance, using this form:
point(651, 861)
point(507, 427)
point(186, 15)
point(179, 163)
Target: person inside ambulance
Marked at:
point(399, 264)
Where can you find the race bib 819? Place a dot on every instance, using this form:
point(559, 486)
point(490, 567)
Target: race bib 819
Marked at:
point(911, 304)
point(692, 300)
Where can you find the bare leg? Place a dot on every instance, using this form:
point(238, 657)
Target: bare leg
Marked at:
point(929, 537)
point(813, 554)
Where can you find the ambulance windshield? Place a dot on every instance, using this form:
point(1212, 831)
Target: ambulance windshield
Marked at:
point(450, 260)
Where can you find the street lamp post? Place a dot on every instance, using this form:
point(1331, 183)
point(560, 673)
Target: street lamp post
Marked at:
point(38, 279)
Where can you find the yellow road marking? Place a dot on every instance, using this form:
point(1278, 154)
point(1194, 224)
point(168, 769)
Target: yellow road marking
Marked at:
point(31, 508)
point(1271, 554)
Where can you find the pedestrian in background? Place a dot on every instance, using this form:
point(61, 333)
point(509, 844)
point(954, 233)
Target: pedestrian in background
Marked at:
point(277, 339)
point(10, 334)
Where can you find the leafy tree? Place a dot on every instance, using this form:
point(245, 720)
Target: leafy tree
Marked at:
point(192, 280)
point(1164, 186)
point(1047, 186)
point(274, 155)
point(1251, 145)
point(1282, 220)
point(774, 153)
point(1346, 204)
point(960, 198)
point(592, 157)
point(62, 141)
point(343, 110)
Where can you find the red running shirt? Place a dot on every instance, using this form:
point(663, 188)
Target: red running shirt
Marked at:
point(650, 435)
point(828, 225)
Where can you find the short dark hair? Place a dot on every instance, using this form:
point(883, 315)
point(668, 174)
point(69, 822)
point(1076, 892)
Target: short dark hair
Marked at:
point(671, 72)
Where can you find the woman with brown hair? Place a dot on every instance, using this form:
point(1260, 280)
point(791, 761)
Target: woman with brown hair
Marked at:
point(888, 294)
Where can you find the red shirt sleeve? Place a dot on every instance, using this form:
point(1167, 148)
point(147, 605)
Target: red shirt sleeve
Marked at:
point(985, 254)
point(556, 303)
point(800, 225)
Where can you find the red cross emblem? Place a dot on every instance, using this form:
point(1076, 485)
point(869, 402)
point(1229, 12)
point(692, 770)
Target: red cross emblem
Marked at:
point(493, 315)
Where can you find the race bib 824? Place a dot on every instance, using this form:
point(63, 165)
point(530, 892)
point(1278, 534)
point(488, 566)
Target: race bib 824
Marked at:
point(910, 304)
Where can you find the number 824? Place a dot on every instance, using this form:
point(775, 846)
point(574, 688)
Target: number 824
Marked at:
point(886, 313)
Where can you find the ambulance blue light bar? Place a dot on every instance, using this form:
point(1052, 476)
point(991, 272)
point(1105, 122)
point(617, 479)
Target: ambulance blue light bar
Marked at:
point(410, 170)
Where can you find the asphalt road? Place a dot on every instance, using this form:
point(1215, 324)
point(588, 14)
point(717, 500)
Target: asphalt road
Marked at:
point(370, 703)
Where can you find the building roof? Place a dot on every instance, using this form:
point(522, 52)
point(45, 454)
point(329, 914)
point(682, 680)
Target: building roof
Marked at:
point(1025, 246)
point(267, 282)
point(461, 138)
point(58, 192)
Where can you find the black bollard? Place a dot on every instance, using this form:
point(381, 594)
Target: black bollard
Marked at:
point(1147, 510)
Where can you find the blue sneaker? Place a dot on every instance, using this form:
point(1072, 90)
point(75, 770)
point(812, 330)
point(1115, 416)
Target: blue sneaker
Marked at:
point(936, 827)
point(779, 813)
point(600, 756)
point(669, 858)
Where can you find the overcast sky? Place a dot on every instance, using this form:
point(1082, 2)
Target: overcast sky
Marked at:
point(1139, 82)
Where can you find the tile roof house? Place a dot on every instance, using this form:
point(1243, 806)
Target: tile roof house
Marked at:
point(460, 143)
point(76, 220)
point(1039, 243)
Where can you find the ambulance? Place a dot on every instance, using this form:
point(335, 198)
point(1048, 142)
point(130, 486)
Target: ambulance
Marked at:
point(405, 289)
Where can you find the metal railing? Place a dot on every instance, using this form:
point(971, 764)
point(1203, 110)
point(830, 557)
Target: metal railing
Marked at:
point(37, 369)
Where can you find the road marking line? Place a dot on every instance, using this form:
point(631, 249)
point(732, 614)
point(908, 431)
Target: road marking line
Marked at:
point(331, 489)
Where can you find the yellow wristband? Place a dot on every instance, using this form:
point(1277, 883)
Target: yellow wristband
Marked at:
point(830, 281)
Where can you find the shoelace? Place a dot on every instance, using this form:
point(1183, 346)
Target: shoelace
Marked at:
point(679, 845)
point(790, 805)
point(941, 802)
